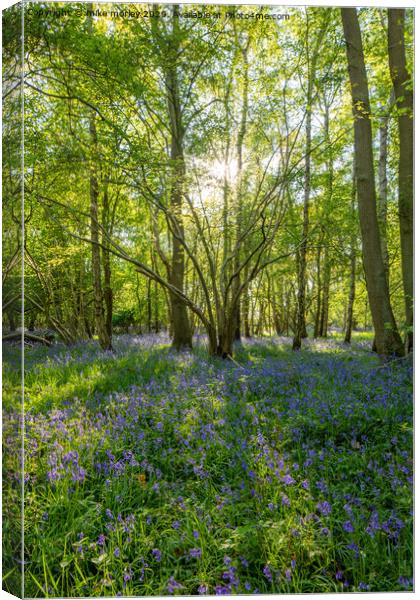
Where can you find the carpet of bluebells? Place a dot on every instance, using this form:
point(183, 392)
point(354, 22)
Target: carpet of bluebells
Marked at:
point(149, 472)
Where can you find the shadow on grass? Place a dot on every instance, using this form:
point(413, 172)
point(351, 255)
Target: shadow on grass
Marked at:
point(58, 376)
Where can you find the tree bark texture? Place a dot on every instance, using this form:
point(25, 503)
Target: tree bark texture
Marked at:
point(388, 340)
point(101, 330)
point(181, 329)
point(404, 100)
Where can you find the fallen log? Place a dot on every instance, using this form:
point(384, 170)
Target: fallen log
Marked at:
point(28, 336)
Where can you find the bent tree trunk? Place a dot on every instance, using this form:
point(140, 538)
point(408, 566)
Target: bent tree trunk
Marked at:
point(388, 340)
point(404, 100)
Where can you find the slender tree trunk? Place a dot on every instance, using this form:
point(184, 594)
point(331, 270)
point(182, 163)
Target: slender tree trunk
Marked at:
point(352, 292)
point(106, 263)
point(245, 307)
point(301, 258)
point(80, 302)
point(101, 330)
point(156, 307)
point(383, 186)
point(277, 297)
point(12, 321)
point(388, 340)
point(318, 292)
point(287, 315)
point(325, 294)
point(404, 100)
point(239, 193)
point(300, 331)
point(149, 306)
point(352, 287)
point(182, 337)
point(329, 196)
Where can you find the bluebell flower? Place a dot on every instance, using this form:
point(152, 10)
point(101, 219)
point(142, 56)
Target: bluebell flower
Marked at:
point(348, 527)
point(267, 573)
point(173, 585)
point(157, 555)
point(324, 508)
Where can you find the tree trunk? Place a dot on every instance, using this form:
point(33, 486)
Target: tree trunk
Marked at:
point(301, 257)
point(383, 186)
point(156, 306)
point(323, 331)
point(239, 193)
point(149, 306)
point(300, 331)
point(388, 340)
point(106, 263)
point(352, 287)
point(245, 308)
point(104, 338)
point(276, 298)
point(225, 346)
point(12, 322)
point(182, 337)
point(404, 101)
point(325, 294)
point(318, 292)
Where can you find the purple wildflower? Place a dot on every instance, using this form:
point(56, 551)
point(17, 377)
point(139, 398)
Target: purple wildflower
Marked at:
point(173, 585)
point(288, 480)
point(405, 581)
point(355, 549)
point(157, 554)
point(324, 508)
point(267, 573)
point(348, 527)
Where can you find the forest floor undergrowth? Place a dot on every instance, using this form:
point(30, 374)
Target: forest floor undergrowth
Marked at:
point(151, 472)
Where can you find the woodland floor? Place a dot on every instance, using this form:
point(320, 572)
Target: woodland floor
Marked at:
point(149, 472)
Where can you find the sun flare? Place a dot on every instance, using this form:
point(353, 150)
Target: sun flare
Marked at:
point(221, 169)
